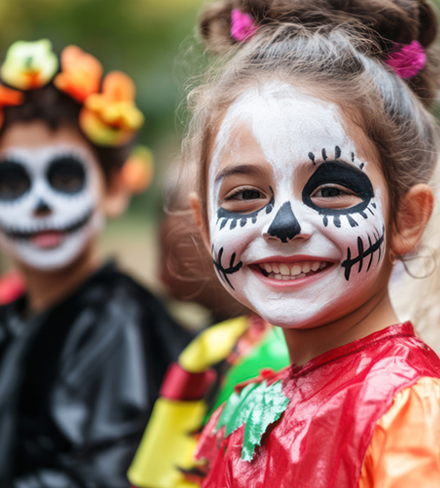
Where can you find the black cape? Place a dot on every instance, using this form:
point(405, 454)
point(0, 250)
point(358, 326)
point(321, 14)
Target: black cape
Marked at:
point(78, 382)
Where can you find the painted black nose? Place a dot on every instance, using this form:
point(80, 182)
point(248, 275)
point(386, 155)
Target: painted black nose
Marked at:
point(42, 208)
point(285, 226)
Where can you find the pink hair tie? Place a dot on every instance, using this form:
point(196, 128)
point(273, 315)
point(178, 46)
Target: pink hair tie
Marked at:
point(243, 26)
point(407, 60)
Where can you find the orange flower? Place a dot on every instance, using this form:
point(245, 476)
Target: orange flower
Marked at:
point(137, 172)
point(111, 117)
point(81, 74)
point(9, 98)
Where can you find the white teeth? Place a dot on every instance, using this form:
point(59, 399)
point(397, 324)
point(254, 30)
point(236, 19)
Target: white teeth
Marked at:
point(285, 272)
point(306, 268)
point(296, 270)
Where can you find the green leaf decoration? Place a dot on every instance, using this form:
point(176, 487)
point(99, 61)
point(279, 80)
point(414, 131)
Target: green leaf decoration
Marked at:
point(257, 406)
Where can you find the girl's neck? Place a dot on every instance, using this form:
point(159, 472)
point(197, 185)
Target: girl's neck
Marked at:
point(374, 315)
point(45, 289)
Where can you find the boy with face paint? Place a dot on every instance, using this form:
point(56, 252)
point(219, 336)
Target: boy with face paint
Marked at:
point(83, 353)
point(315, 151)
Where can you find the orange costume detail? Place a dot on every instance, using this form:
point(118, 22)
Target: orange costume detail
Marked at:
point(405, 449)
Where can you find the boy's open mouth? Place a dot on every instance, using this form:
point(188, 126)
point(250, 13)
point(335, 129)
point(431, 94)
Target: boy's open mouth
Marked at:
point(48, 238)
point(291, 271)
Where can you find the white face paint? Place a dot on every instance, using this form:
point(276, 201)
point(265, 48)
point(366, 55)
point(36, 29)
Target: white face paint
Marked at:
point(294, 261)
point(48, 204)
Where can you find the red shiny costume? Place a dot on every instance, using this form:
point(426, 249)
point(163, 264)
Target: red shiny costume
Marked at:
point(336, 399)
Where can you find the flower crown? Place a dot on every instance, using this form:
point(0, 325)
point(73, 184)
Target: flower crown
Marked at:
point(108, 117)
point(406, 60)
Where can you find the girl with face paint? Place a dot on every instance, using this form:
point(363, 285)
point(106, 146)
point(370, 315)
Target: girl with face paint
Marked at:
point(315, 150)
point(83, 353)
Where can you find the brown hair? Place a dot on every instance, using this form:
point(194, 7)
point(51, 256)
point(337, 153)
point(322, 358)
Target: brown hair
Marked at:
point(337, 47)
point(55, 108)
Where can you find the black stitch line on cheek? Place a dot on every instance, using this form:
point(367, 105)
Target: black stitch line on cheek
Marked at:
point(324, 155)
point(224, 272)
point(337, 152)
point(312, 157)
point(225, 215)
point(362, 254)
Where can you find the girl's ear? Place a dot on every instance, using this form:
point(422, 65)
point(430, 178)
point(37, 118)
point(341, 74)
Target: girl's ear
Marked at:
point(196, 207)
point(413, 215)
point(116, 197)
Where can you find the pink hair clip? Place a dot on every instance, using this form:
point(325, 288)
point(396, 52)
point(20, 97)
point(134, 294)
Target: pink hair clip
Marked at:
point(243, 26)
point(407, 60)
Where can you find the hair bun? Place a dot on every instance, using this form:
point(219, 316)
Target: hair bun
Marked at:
point(391, 21)
point(385, 22)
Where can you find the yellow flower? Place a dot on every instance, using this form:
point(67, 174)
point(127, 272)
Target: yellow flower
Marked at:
point(29, 65)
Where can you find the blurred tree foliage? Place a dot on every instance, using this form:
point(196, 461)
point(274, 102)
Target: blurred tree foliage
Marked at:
point(140, 37)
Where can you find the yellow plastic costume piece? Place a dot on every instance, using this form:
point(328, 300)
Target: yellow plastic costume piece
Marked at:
point(29, 65)
point(405, 448)
point(213, 345)
point(166, 444)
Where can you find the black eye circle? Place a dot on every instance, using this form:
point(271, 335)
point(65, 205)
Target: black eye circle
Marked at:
point(14, 180)
point(67, 175)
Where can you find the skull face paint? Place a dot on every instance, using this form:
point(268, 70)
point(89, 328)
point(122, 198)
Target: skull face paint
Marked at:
point(296, 216)
point(48, 204)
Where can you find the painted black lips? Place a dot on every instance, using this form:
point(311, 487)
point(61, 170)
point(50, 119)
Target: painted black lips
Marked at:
point(15, 234)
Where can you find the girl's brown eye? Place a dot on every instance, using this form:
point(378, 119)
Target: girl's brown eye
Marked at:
point(250, 195)
point(244, 194)
point(330, 193)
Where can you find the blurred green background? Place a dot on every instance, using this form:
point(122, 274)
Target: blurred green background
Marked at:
point(144, 38)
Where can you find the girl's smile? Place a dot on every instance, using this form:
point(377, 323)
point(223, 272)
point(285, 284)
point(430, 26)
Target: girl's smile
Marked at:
point(292, 271)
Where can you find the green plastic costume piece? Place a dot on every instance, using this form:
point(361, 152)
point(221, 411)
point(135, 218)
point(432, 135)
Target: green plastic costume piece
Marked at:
point(271, 353)
point(257, 406)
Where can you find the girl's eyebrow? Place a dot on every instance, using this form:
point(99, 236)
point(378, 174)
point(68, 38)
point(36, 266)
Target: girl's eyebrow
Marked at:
point(246, 169)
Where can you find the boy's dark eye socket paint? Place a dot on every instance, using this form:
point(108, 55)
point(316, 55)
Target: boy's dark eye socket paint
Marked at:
point(14, 180)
